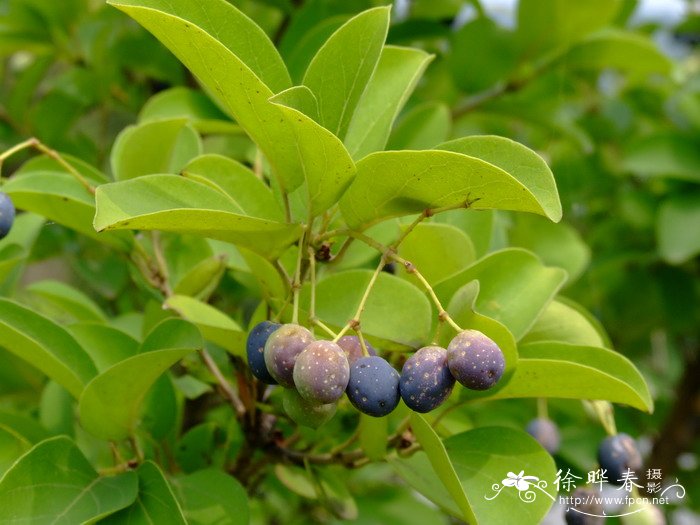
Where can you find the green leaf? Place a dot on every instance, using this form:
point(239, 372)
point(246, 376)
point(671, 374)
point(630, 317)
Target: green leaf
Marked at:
point(172, 333)
point(155, 502)
point(617, 49)
point(484, 456)
point(66, 301)
point(215, 326)
point(210, 496)
point(431, 179)
point(396, 312)
point(272, 284)
point(515, 287)
point(672, 155)
point(300, 98)
point(172, 203)
point(562, 322)
point(182, 102)
point(45, 345)
point(479, 226)
point(442, 464)
point(423, 127)
point(202, 279)
point(161, 146)
point(518, 161)
point(437, 250)
point(356, 47)
point(241, 67)
point(328, 168)
point(250, 195)
point(60, 198)
point(54, 481)
point(561, 370)
point(677, 227)
point(556, 244)
point(373, 436)
point(392, 83)
point(46, 163)
point(105, 345)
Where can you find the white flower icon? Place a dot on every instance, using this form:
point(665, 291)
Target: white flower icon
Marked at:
point(519, 481)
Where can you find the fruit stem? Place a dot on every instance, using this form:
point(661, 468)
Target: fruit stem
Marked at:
point(542, 412)
point(363, 344)
point(297, 280)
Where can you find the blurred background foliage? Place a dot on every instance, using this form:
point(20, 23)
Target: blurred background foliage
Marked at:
point(608, 92)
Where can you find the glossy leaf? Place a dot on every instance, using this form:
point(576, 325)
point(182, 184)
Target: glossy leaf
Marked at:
point(54, 481)
point(214, 324)
point(104, 344)
point(561, 322)
point(45, 345)
point(356, 45)
point(514, 287)
point(398, 71)
point(560, 370)
point(432, 179)
point(66, 301)
point(210, 496)
point(182, 102)
point(517, 160)
point(202, 279)
point(155, 502)
point(172, 203)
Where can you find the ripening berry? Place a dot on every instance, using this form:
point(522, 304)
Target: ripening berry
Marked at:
point(321, 372)
point(586, 508)
point(281, 351)
point(618, 453)
point(7, 214)
point(255, 346)
point(545, 431)
point(425, 379)
point(353, 349)
point(304, 412)
point(374, 386)
point(475, 360)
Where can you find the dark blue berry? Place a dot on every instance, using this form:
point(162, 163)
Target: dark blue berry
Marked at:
point(475, 360)
point(7, 214)
point(321, 372)
point(426, 382)
point(546, 433)
point(353, 348)
point(586, 508)
point(281, 351)
point(255, 347)
point(374, 386)
point(617, 454)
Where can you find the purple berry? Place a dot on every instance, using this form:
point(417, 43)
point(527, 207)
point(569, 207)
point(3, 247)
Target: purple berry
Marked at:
point(586, 508)
point(546, 433)
point(475, 360)
point(7, 214)
point(617, 454)
point(374, 386)
point(281, 351)
point(255, 346)
point(353, 349)
point(426, 381)
point(304, 412)
point(321, 372)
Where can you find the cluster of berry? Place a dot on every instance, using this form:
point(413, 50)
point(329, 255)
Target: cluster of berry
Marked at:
point(316, 373)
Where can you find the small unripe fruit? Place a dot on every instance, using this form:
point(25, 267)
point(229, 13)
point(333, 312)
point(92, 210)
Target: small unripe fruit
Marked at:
point(321, 372)
point(616, 454)
point(281, 351)
point(546, 433)
point(586, 508)
point(426, 381)
point(304, 412)
point(374, 386)
point(255, 348)
point(7, 214)
point(475, 360)
point(353, 349)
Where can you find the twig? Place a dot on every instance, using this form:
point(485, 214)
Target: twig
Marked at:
point(225, 386)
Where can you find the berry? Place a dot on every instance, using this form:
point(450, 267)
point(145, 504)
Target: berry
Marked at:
point(321, 372)
point(425, 379)
point(586, 508)
point(546, 432)
point(281, 351)
point(255, 346)
point(617, 454)
point(304, 412)
point(374, 386)
point(7, 214)
point(353, 349)
point(475, 360)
